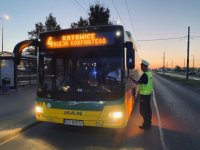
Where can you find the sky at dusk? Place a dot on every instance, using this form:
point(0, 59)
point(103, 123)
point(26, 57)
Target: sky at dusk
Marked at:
point(157, 26)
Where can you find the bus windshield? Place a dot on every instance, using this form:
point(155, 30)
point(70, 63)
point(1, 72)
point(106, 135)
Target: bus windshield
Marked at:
point(82, 77)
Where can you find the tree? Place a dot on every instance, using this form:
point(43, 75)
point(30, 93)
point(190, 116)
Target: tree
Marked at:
point(178, 68)
point(29, 51)
point(39, 28)
point(98, 15)
point(81, 23)
point(50, 25)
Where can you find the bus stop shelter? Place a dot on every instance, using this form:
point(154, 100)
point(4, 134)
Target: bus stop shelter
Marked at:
point(7, 69)
point(23, 74)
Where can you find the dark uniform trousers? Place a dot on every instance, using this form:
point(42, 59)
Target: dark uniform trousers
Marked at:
point(145, 108)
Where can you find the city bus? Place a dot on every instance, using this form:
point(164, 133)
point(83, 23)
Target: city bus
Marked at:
point(82, 76)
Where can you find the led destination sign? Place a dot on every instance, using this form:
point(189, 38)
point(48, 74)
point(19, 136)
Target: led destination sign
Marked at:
point(78, 40)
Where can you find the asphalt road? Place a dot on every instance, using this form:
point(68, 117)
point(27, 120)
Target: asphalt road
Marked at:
point(179, 110)
point(176, 125)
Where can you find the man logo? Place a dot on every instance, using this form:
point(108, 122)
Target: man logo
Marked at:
point(73, 113)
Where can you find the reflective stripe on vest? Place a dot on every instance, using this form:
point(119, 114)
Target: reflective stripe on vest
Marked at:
point(146, 89)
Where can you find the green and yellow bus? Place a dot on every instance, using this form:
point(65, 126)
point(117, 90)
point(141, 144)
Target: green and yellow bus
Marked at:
point(82, 76)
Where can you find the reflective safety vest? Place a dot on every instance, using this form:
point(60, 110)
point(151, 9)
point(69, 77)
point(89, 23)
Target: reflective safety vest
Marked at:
point(146, 89)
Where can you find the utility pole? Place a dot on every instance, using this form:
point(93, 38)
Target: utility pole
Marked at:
point(2, 38)
point(188, 52)
point(164, 63)
point(2, 34)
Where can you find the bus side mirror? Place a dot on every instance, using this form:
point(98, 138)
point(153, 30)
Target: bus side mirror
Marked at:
point(130, 55)
point(19, 48)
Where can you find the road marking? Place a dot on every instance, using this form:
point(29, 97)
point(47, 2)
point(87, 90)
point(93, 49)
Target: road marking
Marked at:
point(159, 123)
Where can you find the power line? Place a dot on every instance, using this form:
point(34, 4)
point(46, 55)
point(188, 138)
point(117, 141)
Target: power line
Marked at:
point(84, 3)
point(81, 6)
point(195, 37)
point(118, 12)
point(130, 19)
point(173, 38)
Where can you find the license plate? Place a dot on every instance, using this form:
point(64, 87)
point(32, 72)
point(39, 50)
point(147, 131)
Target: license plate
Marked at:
point(73, 122)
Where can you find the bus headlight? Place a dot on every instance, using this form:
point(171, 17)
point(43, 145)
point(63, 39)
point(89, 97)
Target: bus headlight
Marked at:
point(38, 109)
point(116, 115)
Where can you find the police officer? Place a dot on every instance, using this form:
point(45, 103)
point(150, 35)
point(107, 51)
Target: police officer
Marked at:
point(145, 90)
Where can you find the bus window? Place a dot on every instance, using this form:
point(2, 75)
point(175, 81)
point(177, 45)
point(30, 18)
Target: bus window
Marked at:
point(72, 76)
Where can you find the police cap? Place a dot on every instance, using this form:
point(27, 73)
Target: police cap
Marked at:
point(144, 62)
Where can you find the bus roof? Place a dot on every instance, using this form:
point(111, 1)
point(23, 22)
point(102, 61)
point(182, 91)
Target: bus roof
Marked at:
point(84, 29)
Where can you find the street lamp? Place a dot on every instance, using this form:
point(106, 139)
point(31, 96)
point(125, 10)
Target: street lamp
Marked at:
point(5, 17)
